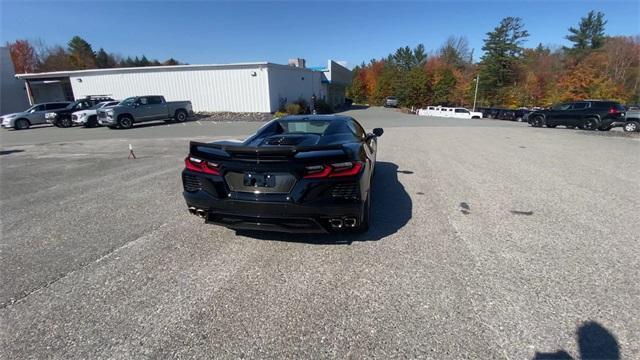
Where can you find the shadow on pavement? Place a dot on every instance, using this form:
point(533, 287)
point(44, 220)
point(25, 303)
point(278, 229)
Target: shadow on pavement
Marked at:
point(594, 342)
point(7, 152)
point(391, 209)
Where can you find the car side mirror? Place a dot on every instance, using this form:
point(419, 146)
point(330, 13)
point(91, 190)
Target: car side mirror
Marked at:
point(378, 132)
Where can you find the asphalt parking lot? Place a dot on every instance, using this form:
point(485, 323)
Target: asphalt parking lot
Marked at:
point(490, 239)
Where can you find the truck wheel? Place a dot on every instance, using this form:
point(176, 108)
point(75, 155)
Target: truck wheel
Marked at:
point(181, 116)
point(632, 126)
point(21, 124)
point(65, 123)
point(126, 122)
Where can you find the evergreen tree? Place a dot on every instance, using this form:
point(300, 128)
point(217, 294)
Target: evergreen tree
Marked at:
point(144, 61)
point(590, 32)
point(502, 48)
point(81, 55)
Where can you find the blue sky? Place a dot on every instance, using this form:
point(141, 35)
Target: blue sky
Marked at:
point(223, 32)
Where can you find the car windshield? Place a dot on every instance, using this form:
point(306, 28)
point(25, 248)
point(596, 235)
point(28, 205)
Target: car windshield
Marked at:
point(317, 127)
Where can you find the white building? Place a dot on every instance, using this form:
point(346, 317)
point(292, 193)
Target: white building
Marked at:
point(12, 90)
point(245, 87)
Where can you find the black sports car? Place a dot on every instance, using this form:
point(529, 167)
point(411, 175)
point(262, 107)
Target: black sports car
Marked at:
point(304, 173)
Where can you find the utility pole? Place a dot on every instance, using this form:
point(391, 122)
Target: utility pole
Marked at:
point(476, 95)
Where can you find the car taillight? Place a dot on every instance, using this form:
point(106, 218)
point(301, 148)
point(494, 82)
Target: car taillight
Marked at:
point(333, 170)
point(198, 165)
point(614, 111)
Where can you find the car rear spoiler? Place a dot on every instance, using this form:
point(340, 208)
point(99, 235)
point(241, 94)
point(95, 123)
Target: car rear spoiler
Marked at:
point(196, 148)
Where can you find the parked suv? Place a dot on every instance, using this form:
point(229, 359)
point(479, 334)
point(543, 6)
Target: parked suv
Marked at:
point(62, 117)
point(391, 101)
point(32, 116)
point(586, 114)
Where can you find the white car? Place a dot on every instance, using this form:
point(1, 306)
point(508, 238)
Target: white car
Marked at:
point(460, 113)
point(89, 117)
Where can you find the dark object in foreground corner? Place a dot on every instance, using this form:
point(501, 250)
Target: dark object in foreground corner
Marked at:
point(595, 342)
point(298, 174)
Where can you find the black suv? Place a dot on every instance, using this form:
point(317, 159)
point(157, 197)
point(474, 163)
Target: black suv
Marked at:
point(62, 117)
point(586, 114)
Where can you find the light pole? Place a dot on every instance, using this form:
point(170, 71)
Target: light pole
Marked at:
point(476, 95)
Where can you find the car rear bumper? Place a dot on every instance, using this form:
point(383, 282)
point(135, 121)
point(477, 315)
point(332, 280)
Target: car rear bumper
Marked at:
point(313, 217)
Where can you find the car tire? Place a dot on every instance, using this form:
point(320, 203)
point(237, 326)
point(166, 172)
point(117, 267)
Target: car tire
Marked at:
point(366, 215)
point(590, 124)
point(65, 123)
point(21, 124)
point(537, 121)
point(92, 121)
point(181, 116)
point(632, 126)
point(125, 122)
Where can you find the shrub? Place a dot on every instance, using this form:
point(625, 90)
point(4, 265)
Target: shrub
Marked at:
point(280, 114)
point(294, 109)
point(323, 107)
point(304, 106)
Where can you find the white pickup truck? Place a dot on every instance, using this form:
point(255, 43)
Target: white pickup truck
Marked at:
point(458, 112)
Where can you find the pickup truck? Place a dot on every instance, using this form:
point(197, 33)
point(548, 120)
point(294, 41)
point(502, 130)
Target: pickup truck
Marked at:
point(140, 109)
point(632, 120)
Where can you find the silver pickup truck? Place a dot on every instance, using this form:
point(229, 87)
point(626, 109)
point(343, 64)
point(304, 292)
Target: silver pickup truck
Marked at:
point(632, 120)
point(139, 109)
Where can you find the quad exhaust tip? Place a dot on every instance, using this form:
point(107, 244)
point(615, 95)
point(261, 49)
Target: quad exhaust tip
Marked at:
point(350, 222)
point(199, 212)
point(336, 223)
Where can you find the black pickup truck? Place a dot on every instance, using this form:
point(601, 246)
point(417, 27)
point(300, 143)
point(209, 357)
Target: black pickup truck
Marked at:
point(587, 114)
point(62, 117)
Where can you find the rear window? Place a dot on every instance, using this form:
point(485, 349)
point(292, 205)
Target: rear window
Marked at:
point(317, 127)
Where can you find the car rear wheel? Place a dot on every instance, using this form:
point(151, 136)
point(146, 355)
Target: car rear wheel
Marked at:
point(126, 122)
point(21, 124)
point(590, 124)
point(632, 126)
point(92, 121)
point(181, 116)
point(537, 121)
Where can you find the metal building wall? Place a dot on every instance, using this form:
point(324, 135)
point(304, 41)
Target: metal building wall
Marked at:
point(233, 88)
point(13, 95)
point(292, 83)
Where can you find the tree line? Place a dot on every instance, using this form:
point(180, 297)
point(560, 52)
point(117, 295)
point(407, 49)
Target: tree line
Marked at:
point(31, 57)
point(511, 75)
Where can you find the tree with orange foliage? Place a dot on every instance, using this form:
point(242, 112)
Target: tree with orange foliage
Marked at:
point(24, 57)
